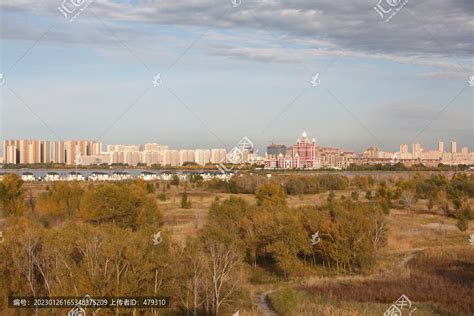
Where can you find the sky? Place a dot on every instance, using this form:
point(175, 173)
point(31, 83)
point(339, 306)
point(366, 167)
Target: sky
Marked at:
point(238, 69)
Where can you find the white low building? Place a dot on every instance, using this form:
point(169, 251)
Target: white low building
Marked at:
point(75, 176)
point(52, 176)
point(28, 177)
point(120, 176)
point(148, 176)
point(99, 176)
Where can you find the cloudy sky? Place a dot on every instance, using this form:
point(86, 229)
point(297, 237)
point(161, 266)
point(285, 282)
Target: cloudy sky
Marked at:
point(243, 69)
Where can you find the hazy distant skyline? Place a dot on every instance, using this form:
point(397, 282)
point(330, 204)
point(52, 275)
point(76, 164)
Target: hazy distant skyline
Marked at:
point(233, 72)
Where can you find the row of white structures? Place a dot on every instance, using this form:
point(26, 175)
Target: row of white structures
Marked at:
point(115, 176)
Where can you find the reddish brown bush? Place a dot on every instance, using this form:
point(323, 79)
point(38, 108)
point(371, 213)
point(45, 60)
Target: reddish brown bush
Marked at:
point(446, 278)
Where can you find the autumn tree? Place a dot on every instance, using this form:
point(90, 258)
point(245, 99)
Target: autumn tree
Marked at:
point(228, 214)
point(60, 200)
point(174, 180)
point(192, 276)
point(109, 203)
point(287, 239)
point(270, 194)
point(185, 202)
point(355, 195)
point(12, 195)
point(124, 205)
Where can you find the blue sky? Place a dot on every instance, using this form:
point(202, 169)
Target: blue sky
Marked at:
point(232, 72)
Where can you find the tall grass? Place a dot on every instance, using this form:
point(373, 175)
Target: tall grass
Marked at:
point(441, 276)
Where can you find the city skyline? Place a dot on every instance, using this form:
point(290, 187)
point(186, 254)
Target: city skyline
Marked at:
point(289, 140)
point(306, 153)
point(251, 72)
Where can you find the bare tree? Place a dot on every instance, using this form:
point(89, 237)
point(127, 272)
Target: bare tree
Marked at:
point(409, 200)
point(193, 285)
point(380, 229)
point(223, 267)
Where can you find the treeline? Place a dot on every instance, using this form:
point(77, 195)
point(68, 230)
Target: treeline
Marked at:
point(127, 205)
point(450, 195)
point(401, 167)
point(293, 185)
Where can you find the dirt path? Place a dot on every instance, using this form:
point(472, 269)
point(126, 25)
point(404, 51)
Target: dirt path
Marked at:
point(264, 304)
point(410, 256)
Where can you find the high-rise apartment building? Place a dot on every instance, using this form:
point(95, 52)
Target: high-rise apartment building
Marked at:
point(122, 148)
point(186, 155)
point(26, 151)
point(202, 156)
point(11, 152)
point(454, 147)
point(58, 152)
point(403, 148)
point(416, 151)
point(155, 147)
point(275, 150)
point(441, 146)
point(171, 158)
point(218, 155)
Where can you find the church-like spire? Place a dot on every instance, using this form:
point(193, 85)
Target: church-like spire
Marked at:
point(304, 135)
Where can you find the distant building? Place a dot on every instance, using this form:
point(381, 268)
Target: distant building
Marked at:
point(416, 151)
point(202, 156)
point(186, 156)
point(218, 155)
point(95, 160)
point(275, 150)
point(302, 155)
point(26, 151)
point(404, 148)
point(372, 152)
point(454, 147)
point(441, 146)
point(335, 158)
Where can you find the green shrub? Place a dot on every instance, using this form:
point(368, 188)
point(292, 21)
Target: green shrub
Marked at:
point(285, 301)
point(463, 224)
point(162, 196)
point(185, 202)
